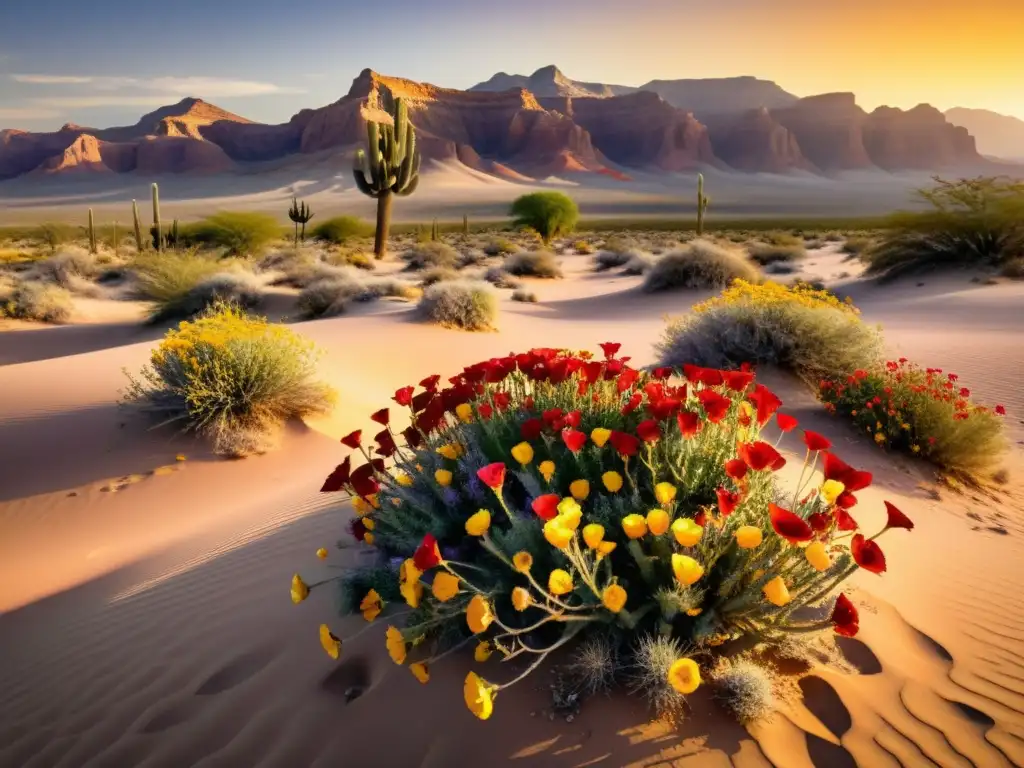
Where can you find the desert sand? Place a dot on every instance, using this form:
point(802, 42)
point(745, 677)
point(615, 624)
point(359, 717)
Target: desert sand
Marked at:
point(146, 618)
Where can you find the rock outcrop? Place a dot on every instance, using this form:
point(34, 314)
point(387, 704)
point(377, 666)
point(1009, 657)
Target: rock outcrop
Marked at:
point(829, 130)
point(757, 142)
point(996, 135)
point(919, 139)
point(549, 82)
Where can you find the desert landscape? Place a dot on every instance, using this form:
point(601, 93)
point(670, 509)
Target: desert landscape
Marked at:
point(203, 319)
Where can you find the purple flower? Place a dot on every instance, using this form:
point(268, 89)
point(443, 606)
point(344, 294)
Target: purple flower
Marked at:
point(450, 497)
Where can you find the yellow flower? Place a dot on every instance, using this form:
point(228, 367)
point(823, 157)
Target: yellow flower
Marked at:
point(322, 553)
point(478, 695)
point(396, 645)
point(465, 412)
point(371, 605)
point(658, 521)
point(557, 535)
point(483, 651)
point(368, 523)
point(478, 524)
point(523, 453)
point(777, 592)
point(420, 672)
point(593, 534)
point(879, 437)
point(748, 537)
point(368, 538)
point(547, 470)
point(614, 598)
point(600, 436)
point(521, 599)
point(695, 612)
point(634, 525)
point(915, 448)
point(450, 451)
point(606, 548)
point(412, 592)
point(445, 586)
point(559, 582)
point(478, 614)
point(570, 513)
point(818, 556)
point(687, 570)
point(665, 493)
point(403, 479)
point(300, 590)
point(522, 561)
point(746, 410)
point(443, 477)
point(579, 489)
point(684, 676)
point(686, 531)
point(361, 506)
point(831, 490)
point(330, 642)
point(612, 481)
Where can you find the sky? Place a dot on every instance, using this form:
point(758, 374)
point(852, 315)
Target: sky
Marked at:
point(107, 62)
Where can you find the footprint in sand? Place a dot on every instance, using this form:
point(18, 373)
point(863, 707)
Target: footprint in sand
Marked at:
point(237, 671)
point(121, 483)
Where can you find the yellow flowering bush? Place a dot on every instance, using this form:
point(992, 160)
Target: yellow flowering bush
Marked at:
point(551, 498)
point(770, 293)
point(233, 377)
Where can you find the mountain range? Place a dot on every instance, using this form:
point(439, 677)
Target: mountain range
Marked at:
point(534, 126)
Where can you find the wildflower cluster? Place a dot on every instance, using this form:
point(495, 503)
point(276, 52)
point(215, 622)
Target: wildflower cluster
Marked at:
point(923, 412)
point(772, 294)
point(547, 496)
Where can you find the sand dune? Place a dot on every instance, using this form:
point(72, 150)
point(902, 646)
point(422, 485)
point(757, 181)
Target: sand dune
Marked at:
point(146, 619)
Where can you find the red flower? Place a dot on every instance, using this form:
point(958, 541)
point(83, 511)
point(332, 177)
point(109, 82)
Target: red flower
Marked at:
point(338, 479)
point(572, 419)
point(766, 402)
point(363, 481)
point(574, 440)
point(531, 429)
point(412, 436)
point(626, 379)
point(689, 423)
point(546, 506)
point(707, 376)
point(897, 519)
point(502, 400)
point(528, 402)
point(610, 348)
point(625, 445)
point(493, 475)
point(633, 404)
point(716, 406)
point(430, 384)
point(760, 456)
point(727, 501)
point(738, 381)
point(385, 443)
point(552, 415)
point(664, 372)
point(789, 526)
point(844, 521)
point(353, 439)
point(404, 396)
point(382, 417)
point(358, 529)
point(664, 408)
point(427, 555)
point(846, 500)
point(736, 469)
point(701, 518)
point(648, 431)
point(1000, 410)
point(786, 422)
point(844, 617)
point(837, 469)
point(816, 442)
point(485, 411)
point(820, 521)
point(867, 554)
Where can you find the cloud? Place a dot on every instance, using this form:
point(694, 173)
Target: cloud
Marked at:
point(205, 87)
point(91, 102)
point(51, 79)
point(27, 113)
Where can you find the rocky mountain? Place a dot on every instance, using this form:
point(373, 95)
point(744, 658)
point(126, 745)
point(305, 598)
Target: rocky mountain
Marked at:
point(549, 81)
point(519, 132)
point(721, 95)
point(997, 135)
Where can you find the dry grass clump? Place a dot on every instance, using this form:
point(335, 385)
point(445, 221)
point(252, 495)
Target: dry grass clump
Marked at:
point(234, 378)
point(582, 247)
point(533, 264)
point(500, 246)
point(1014, 268)
point(35, 300)
point(605, 260)
point(855, 246)
point(336, 289)
point(700, 264)
point(68, 267)
point(744, 689)
point(341, 229)
point(431, 254)
point(499, 278)
point(438, 275)
point(639, 264)
point(765, 254)
point(239, 233)
point(471, 305)
point(349, 258)
point(182, 284)
point(593, 666)
point(653, 656)
point(527, 297)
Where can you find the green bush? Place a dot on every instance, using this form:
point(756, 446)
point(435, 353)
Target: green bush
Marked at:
point(181, 283)
point(550, 214)
point(699, 264)
point(533, 264)
point(467, 304)
point(972, 223)
point(239, 233)
point(38, 301)
point(340, 229)
point(232, 377)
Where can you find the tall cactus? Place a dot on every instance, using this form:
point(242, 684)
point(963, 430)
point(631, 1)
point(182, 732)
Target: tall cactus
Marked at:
point(300, 213)
point(158, 240)
point(139, 245)
point(92, 233)
point(435, 233)
point(117, 243)
point(702, 204)
point(390, 166)
point(465, 225)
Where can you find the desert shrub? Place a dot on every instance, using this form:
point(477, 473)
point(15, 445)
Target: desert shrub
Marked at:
point(638, 264)
point(550, 484)
point(54, 235)
point(744, 689)
point(605, 260)
point(347, 258)
point(1014, 268)
point(39, 301)
point(781, 239)
point(231, 377)
point(238, 287)
point(810, 332)
point(528, 297)
point(855, 246)
point(438, 275)
point(699, 264)
point(500, 246)
point(972, 223)
point(467, 304)
point(594, 664)
point(431, 254)
point(18, 256)
point(533, 264)
point(240, 233)
point(335, 290)
point(340, 229)
point(582, 247)
point(180, 283)
point(67, 267)
point(772, 254)
point(471, 258)
point(924, 413)
point(499, 278)
point(781, 268)
point(550, 214)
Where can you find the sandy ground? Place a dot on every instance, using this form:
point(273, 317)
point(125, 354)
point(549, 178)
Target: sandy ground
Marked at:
point(146, 614)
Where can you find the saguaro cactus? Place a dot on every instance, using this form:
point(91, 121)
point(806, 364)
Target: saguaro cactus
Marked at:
point(117, 243)
point(139, 245)
point(158, 240)
point(702, 204)
point(300, 213)
point(92, 233)
point(390, 166)
point(435, 234)
point(465, 225)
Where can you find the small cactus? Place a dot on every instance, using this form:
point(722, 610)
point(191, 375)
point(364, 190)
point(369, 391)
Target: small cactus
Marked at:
point(117, 245)
point(434, 234)
point(300, 213)
point(157, 232)
point(702, 204)
point(465, 225)
point(139, 245)
point(171, 239)
point(92, 233)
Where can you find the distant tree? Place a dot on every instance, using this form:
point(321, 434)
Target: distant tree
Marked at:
point(551, 214)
